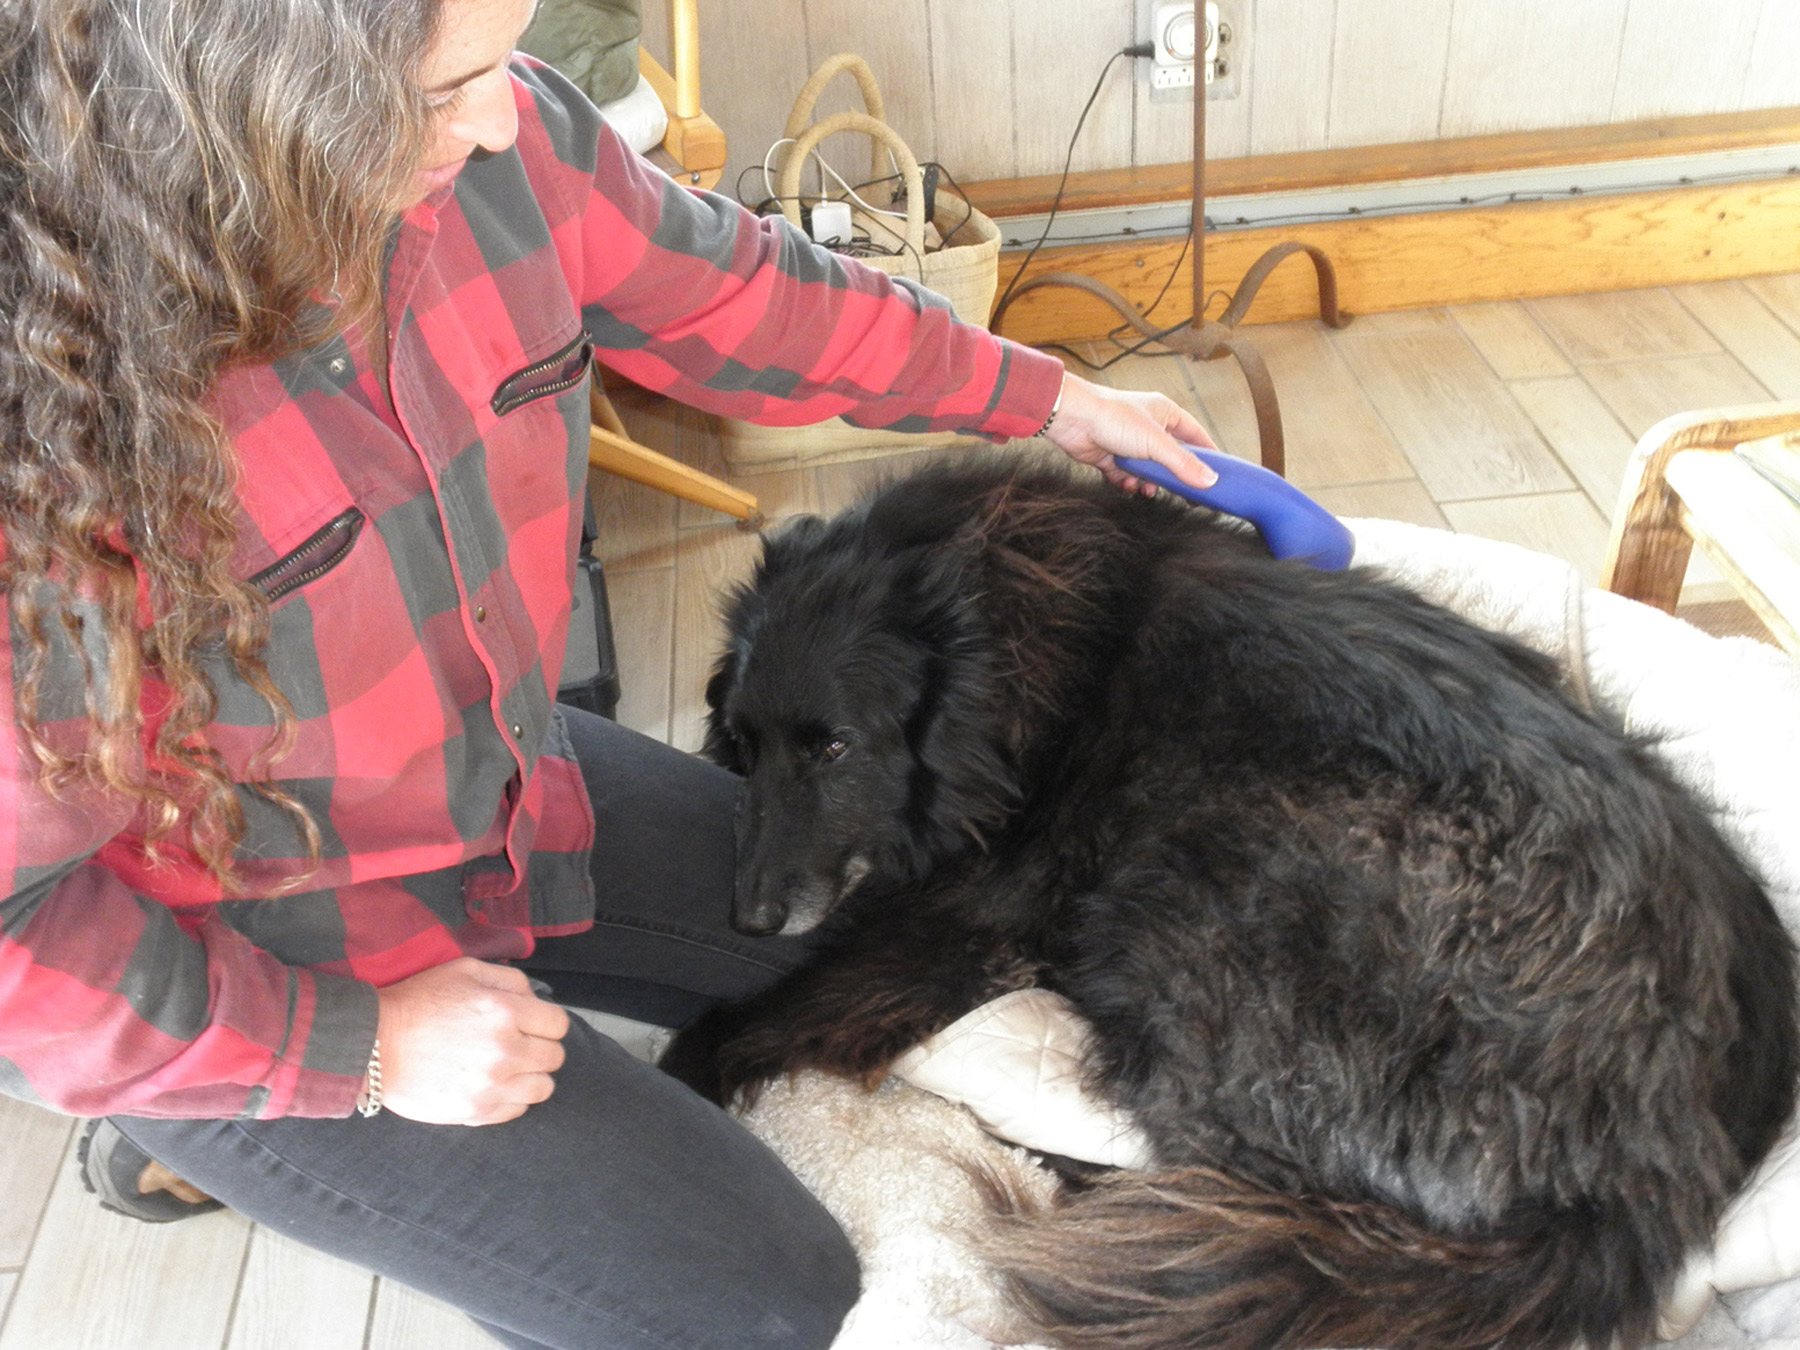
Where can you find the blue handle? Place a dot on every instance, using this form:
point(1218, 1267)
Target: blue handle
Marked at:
point(1292, 524)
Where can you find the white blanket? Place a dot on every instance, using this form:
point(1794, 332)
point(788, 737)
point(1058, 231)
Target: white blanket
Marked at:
point(898, 1166)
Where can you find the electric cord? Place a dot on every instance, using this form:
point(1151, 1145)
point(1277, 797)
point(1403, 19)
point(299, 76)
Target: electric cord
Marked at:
point(1139, 348)
point(955, 190)
point(1181, 257)
point(824, 169)
point(866, 246)
point(1137, 49)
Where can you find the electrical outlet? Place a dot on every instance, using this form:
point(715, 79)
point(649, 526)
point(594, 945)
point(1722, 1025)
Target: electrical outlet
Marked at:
point(1216, 32)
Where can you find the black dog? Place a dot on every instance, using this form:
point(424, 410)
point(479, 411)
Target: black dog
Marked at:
point(1452, 1021)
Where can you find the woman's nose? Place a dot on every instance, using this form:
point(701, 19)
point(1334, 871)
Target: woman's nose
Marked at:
point(488, 117)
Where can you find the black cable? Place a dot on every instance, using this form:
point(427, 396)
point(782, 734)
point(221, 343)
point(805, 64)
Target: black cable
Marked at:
point(738, 190)
point(968, 208)
point(1181, 257)
point(1068, 162)
point(1112, 361)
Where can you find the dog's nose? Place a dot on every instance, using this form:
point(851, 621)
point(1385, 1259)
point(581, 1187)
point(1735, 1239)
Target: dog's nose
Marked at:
point(759, 918)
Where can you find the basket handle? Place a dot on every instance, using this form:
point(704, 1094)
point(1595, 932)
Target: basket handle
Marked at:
point(787, 183)
point(809, 97)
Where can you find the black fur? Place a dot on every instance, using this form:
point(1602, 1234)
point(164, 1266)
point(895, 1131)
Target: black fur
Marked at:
point(1451, 1019)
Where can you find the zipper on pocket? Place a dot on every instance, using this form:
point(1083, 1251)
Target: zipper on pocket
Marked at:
point(322, 551)
point(563, 370)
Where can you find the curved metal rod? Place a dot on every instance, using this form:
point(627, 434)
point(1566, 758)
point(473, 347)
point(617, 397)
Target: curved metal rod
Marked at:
point(1210, 340)
point(1201, 343)
point(1098, 289)
point(1259, 273)
point(1271, 442)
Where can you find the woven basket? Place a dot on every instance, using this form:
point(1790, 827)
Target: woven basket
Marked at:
point(966, 273)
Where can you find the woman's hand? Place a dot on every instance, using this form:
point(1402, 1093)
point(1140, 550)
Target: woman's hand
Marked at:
point(467, 1043)
point(1093, 424)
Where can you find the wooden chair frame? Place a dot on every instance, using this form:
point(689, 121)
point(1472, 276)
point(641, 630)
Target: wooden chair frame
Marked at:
point(694, 148)
point(1677, 493)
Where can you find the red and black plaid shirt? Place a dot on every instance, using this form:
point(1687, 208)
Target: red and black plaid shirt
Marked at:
point(417, 550)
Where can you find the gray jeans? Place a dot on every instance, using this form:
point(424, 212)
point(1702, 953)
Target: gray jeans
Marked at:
point(624, 1212)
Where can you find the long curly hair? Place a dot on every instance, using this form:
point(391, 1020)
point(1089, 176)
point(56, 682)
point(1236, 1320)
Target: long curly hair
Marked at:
point(184, 185)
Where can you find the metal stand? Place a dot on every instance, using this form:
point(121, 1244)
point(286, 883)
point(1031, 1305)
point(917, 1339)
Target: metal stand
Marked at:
point(1210, 339)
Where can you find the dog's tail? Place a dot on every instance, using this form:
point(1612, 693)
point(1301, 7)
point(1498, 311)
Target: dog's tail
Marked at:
point(1198, 1260)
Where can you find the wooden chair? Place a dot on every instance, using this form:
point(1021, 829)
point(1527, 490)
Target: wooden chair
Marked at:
point(1685, 486)
point(693, 151)
point(693, 143)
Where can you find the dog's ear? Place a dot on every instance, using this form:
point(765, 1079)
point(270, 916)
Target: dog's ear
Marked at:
point(958, 726)
point(788, 545)
point(719, 745)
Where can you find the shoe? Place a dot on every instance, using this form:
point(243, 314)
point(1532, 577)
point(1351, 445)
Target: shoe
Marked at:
point(129, 1181)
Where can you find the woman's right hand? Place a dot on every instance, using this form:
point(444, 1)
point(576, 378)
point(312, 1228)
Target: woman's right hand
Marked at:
point(467, 1043)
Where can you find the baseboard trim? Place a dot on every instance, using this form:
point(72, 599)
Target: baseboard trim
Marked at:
point(1652, 138)
point(1618, 242)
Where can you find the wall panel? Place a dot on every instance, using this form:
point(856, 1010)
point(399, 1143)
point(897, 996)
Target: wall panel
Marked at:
point(1288, 83)
point(1679, 57)
point(1387, 77)
point(1773, 79)
point(1059, 49)
point(753, 61)
point(1568, 54)
point(993, 87)
point(972, 87)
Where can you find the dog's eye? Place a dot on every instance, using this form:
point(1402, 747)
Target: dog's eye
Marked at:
point(833, 749)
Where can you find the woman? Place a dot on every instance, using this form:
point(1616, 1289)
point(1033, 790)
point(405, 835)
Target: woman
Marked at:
point(300, 300)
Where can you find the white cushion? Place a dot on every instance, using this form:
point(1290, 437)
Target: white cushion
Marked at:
point(1017, 1064)
point(639, 118)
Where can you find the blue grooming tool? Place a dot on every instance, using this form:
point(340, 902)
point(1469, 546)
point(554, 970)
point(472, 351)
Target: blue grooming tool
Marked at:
point(1292, 524)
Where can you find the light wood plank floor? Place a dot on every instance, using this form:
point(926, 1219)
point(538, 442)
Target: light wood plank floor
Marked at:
point(1507, 420)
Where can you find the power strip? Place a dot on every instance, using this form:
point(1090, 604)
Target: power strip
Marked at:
point(1173, 33)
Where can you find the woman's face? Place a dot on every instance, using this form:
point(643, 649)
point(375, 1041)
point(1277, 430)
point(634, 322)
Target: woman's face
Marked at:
point(465, 81)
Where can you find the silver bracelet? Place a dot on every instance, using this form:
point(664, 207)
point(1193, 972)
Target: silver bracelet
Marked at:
point(368, 1101)
point(1055, 408)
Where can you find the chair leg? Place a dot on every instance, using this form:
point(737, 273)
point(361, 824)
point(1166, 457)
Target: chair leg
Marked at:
point(1647, 556)
point(611, 448)
point(602, 411)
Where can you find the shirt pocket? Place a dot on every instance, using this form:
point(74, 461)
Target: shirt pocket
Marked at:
point(323, 550)
point(562, 369)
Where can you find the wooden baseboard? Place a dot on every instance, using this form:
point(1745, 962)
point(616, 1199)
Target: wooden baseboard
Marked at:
point(1560, 247)
point(1652, 138)
point(1446, 257)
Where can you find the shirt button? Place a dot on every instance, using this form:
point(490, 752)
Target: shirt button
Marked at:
point(339, 364)
point(518, 732)
point(481, 614)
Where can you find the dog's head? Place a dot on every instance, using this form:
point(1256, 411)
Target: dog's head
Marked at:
point(856, 701)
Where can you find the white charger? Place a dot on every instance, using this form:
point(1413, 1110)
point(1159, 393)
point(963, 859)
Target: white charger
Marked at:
point(831, 223)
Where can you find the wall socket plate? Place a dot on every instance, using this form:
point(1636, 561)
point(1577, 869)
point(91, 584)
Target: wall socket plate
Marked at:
point(1218, 31)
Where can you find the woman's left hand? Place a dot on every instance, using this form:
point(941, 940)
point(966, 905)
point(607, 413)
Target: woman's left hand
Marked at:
point(1093, 424)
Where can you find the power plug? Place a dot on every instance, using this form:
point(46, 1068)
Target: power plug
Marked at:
point(829, 223)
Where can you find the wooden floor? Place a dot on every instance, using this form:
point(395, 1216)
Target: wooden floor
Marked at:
point(1508, 420)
